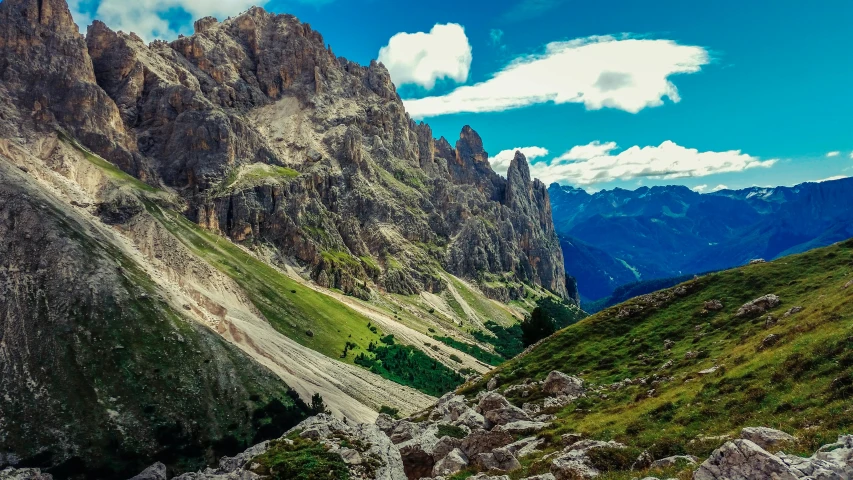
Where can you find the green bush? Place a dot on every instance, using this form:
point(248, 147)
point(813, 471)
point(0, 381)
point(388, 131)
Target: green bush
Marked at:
point(450, 431)
point(506, 340)
point(473, 350)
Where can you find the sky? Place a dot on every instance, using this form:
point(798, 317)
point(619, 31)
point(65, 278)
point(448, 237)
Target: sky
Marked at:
point(597, 94)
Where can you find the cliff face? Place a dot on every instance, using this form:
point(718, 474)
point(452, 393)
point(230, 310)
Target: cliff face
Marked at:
point(272, 139)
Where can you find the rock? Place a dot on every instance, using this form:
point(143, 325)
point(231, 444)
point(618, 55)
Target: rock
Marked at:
point(310, 333)
point(500, 459)
point(848, 285)
point(444, 446)
point(503, 416)
point(10, 473)
point(767, 438)
point(492, 401)
point(742, 459)
point(691, 354)
point(756, 261)
point(643, 461)
point(525, 446)
point(452, 463)
point(768, 341)
point(709, 371)
point(668, 344)
point(154, 472)
point(493, 382)
point(485, 476)
point(769, 321)
point(713, 305)
point(673, 461)
point(471, 419)
point(792, 311)
point(566, 468)
point(449, 408)
point(558, 383)
point(569, 439)
point(523, 427)
point(544, 476)
point(758, 306)
point(482, 441)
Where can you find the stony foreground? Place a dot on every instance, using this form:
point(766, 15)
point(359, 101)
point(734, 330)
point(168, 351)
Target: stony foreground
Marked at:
point(490, 436)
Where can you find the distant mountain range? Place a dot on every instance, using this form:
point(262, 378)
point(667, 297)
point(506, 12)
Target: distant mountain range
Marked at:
point(614, 237)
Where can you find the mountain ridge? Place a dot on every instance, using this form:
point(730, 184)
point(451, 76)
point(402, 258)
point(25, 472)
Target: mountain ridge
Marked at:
point(672, 231)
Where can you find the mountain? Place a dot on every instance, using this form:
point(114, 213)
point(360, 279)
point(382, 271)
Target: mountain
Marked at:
point(204, 241)
point(742, 374)
point(693, 370)
point(671, 231)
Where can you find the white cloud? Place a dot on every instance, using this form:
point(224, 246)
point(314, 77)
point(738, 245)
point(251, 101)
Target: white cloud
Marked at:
point(595, 163)
point(851, 154)
point(423, 58)
point(719, 187)
point(500, 162)
point(833, 154)
point(629, 74)
point(700, 188)
point(829, 179)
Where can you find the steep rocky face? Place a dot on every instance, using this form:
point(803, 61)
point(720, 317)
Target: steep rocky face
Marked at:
point(274, 140)
point(47, 83)
point(99, 374)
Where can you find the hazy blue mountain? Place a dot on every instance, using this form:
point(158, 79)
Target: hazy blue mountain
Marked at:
point(670, 231)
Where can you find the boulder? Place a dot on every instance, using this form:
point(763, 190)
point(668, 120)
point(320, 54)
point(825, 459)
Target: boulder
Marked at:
point(758, 306)
point(471, 419)
point(670, 462)
point(713, 305)
point(769, 341)
point(482, 441)
point(505, 415)
point(449, 408)
point(525, 446)
point(544, 476)
point(742, 459)
point(154, 472)
point(492, 401)
point(523, 427)
point(565, 468)
point(767, 438)
point(643, 461)
point(793, 311)
point(452, 463)
point(558, 383)
point(10, 473)
point(500, 459)
point(493, 382)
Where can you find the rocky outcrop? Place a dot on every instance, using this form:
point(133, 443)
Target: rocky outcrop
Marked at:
point(767, 438)
point(366, 182)
point(744, 459)
point(758, 306)
point(48, 84)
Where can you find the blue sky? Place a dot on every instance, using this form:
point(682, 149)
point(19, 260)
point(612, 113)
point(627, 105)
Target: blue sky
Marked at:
point(763, 93)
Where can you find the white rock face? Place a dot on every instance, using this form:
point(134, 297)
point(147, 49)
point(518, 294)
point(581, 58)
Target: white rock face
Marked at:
point(766, 438)
point(743, 459)
point(450, 464)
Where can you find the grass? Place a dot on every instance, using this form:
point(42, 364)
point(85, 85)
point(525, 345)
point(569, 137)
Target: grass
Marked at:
point(256, 174)
point(116, 174)
point(300, 458)
point(291, 307)
point(801, 385)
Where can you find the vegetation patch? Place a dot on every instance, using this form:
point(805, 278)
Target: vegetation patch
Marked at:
point(297, 458)
point(409, 366)
point(506, 340)
point(492, 359)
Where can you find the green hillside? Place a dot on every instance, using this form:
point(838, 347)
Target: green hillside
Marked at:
point(799, 381)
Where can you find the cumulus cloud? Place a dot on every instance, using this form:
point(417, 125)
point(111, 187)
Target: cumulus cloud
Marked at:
point(833, 154)
point(423, 58)
point(596, 163)
point(719, 187)
point(150, 19)
point(500, 162)
point(625, 73)
point(700, 188)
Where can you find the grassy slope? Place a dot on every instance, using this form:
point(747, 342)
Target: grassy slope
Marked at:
point(801, 385)
point(292, 308)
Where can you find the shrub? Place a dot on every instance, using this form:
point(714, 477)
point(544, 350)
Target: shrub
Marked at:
point(451, 431)
point(611, 459)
